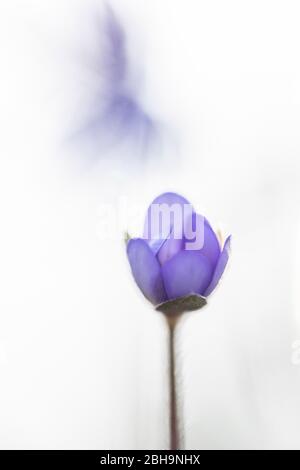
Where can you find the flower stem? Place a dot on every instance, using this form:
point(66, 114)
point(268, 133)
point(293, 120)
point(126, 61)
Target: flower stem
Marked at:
point(173, 403)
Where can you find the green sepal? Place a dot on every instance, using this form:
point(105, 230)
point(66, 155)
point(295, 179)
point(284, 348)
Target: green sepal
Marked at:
point(188, 303)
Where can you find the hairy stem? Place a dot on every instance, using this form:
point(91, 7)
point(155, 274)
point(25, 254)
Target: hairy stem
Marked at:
point(173, 399)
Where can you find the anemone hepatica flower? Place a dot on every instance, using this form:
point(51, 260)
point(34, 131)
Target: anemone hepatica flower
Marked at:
point(177, 264)
point(117, 115)
point(179, 260)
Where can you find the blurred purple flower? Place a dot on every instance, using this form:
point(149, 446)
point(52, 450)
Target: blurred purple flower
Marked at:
point(163, 264)
point(119, 116)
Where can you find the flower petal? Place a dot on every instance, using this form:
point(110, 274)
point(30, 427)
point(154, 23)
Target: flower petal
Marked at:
point(221, 265)
point(170, 248)
point(210, 246)
point(186, 273)
point(146, 270)
point(156, 232)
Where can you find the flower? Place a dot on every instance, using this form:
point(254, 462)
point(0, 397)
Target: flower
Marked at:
point(117, 115)
point(179, 255)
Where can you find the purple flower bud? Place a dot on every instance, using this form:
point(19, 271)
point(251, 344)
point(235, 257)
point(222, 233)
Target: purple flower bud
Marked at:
point(179, 255)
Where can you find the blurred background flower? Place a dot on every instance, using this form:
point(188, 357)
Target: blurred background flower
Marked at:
point(116, 118)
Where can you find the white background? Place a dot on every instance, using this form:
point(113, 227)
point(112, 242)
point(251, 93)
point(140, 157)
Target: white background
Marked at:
point(82, 354)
